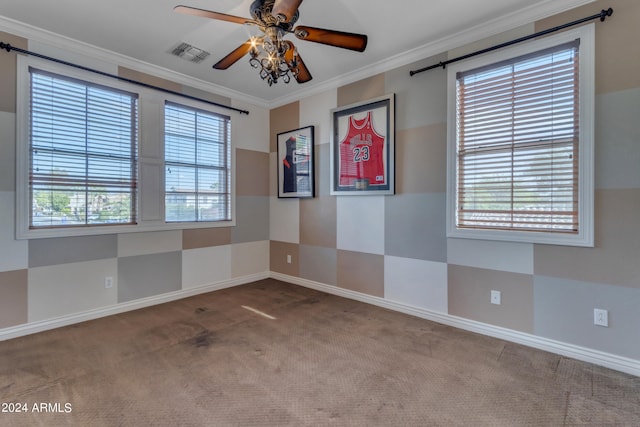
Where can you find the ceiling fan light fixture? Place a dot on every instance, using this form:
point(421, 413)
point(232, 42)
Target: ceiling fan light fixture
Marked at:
point(270, 58)
point(269, 52)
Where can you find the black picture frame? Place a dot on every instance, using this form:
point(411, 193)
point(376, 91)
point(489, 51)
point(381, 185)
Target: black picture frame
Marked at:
point(363, 148)
point(296, 163)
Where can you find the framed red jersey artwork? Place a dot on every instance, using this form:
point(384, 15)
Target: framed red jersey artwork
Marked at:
point(363, 147)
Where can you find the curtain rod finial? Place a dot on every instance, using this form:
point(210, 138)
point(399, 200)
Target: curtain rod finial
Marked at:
point(605, 13)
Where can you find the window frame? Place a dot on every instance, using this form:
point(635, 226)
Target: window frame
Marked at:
point(585, 235)
point(150, 192)
point(90, 92)
point(197, 166)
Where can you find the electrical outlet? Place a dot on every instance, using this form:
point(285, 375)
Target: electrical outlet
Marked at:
point(108, 282)
point(495, 297)
point(600, 317)
point(288, 259)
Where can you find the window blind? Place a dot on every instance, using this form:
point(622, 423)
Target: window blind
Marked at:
point(197, 165)
point(83, 143)
point(518, 142)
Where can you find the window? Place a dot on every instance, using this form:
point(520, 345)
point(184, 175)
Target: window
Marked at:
point(197, 165)
point(82, 153)
point(523, 150)
point(93, 156)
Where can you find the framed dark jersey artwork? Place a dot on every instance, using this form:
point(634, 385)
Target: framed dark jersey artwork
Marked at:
point(295, 163)
point(363, 148)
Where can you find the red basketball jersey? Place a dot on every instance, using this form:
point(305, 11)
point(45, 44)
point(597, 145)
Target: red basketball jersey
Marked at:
point(362, 154)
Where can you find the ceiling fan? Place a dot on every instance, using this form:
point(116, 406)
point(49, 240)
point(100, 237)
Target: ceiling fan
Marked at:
point(275, 57)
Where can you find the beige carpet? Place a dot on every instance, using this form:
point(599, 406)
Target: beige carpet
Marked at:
point(322, 360)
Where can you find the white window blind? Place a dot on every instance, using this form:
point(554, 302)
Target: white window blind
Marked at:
point(197, 165)
point(83, 143)
point(518, 142)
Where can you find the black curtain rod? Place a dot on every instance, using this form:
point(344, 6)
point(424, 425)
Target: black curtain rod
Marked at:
point(9, 48)
point(602, 15)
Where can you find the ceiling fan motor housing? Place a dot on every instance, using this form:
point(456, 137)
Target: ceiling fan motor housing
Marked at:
point(261, 13)
point(275, 57)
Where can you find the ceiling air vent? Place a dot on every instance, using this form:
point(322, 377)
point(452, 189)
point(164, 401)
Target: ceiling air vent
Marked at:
point(189, 53)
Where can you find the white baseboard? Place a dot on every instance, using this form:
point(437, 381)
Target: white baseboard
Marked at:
point(600, 358)
point(611, 361)
point(58, 322)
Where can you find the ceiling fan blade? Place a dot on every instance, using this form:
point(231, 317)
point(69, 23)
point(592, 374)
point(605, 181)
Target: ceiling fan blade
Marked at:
point(351, 41)
point(285, 9)
point(303, 74)
point(233, 57)
point(188, 10)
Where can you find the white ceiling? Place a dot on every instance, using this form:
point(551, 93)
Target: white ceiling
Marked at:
point(399, 31)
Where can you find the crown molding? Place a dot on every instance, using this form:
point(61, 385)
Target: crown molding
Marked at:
point(485, 30)
point(58, 41)
point(482, 31)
